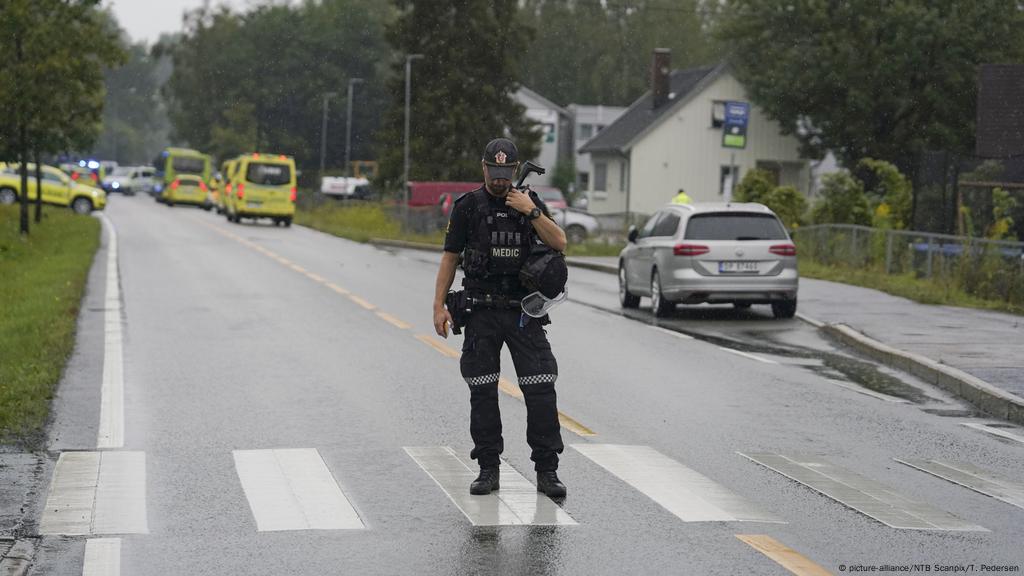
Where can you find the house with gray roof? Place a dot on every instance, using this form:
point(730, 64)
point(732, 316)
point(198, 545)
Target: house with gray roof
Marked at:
point(671, 138)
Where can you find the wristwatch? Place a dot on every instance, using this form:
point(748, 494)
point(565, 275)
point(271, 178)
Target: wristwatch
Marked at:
point(535, 213)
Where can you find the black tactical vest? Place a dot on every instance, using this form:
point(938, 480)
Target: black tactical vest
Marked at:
point(499, 242)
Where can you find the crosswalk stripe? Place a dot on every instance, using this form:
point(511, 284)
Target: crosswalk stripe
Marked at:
point(97, 493)
point(971, 477)
point(292, 489)
point(517, 502)
point(689, 495)
point(102, 557)
point(862, 494)
point(784, 555)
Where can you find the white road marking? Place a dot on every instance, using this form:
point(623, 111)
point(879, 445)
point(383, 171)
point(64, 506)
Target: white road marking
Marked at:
point(679, 335)
point(866, 392)
point(973, 478)
point(97, 493)
point(862, 494)
point(746, 355)
point(102, 557)
point(292, 489)
point(111, 428)
point(691, 496)
point(517, 501)
point(989, 429)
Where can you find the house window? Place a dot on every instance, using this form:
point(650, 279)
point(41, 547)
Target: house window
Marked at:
point(583, 180)
point(600, 176)
point(622, 176)
point(774, 170)
point(586, 132)
point(548, 130)
point(717, 113)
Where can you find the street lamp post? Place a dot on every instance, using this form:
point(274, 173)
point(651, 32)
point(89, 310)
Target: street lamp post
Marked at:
point(323, 132)
point(348, 127)
point(408, 94)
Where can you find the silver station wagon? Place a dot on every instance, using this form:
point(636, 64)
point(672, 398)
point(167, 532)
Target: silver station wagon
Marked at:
point(736, 254)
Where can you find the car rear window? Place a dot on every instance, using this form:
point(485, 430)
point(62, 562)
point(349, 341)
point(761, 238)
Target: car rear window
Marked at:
point(734, 226)
point(269, 174)
point(188, 165)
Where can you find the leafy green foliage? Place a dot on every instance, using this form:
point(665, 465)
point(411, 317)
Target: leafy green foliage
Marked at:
point(461, 90)
point(256, 81)
point(754, 187)
point(870, 79)
point(788, 204)
point(589, 52)
point(891, 194)
point(843, 201)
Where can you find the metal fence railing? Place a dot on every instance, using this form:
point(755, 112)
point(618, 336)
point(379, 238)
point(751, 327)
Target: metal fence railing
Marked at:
point(992, 269)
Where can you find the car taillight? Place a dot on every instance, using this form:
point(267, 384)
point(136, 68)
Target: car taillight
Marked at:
point(93, 176)
point(227, 188)
point(74, 176)
point(689, 249)
point(202, 186)
point(241, 190)
point(783, 250)
point(294, 193)
point(175, 184)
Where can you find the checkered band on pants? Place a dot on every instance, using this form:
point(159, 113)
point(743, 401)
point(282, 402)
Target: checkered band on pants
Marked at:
point(481, 380)
point(537, 379)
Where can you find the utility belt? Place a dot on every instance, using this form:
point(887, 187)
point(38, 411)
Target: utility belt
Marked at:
point(462, 303)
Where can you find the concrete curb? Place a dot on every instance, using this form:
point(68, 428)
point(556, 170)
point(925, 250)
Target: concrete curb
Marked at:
point(596, 266)
point(985, 396)
point(405, 244)
point(18, 559)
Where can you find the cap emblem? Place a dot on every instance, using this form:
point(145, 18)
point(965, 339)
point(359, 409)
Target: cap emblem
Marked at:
point(500, 157)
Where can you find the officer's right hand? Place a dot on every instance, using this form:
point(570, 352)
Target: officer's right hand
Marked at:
point(442, 319)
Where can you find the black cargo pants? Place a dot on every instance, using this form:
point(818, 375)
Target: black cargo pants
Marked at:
point(486, 330)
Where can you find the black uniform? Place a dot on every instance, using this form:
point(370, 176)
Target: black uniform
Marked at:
point(496, 240)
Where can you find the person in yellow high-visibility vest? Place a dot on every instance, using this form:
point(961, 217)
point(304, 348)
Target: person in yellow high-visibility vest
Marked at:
point(681, 198)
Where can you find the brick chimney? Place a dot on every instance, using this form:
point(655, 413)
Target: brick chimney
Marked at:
point(661, 68)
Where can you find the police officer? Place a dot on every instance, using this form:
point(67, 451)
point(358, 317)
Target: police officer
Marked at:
point(494, 228)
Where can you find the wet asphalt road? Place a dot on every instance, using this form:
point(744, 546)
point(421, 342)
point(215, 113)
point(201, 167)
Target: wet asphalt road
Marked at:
point(229, 348)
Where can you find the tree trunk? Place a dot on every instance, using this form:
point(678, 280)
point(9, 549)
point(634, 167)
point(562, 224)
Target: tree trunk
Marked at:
point(39, 188)
point(22, 146)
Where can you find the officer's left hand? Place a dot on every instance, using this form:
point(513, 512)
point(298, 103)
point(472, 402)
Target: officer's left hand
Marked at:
point(519, 201)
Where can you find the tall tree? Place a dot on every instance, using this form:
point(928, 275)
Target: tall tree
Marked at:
point(594, 52)
point(256, 80)
point(461, 89)
point(872, 79)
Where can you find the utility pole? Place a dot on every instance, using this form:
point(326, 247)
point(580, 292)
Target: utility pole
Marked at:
point(348, 127)
point(408, 95)
point(323, 132)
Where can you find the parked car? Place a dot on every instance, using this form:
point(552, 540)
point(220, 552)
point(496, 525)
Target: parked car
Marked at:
point(263, 186)
point(578, 225)
point(58, 189)
point(129, 179)
point(716, 253)
point(187, 189)
point(551, 196)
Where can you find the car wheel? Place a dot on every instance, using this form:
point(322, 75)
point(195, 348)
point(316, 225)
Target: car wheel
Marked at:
point(659, 305)
point(576, 234)
point(784, 309)
point(287, 222)
point(81, 206)
point(626, 300)
point(8, 196)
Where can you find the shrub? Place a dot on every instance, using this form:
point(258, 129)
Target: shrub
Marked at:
point(843, 201)
point(754, 187)
point(788, 203)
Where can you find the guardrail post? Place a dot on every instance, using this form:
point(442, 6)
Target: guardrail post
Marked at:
point(853, 247)
point(928, 272)
point(888, 251)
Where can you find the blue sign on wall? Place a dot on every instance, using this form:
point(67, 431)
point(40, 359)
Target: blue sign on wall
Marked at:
point(734, 128)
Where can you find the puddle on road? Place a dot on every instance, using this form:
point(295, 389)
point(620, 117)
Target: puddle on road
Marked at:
point(826, 364)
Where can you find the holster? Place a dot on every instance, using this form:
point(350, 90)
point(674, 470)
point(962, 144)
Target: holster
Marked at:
point(459, 306)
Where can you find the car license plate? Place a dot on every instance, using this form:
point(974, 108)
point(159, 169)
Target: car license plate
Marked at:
point(253, 204)
point(735, 267)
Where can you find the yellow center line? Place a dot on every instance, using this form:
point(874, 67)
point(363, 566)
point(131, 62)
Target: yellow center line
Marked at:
point(394, 321)
point(338, 289)
point(784, 555)
point(361, 302)
point(298, 268)
point(442, 348)
point(572, 425)
point(509, 388)
point(315, 277)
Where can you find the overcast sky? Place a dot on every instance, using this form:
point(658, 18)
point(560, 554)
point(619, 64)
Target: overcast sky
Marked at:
point(147, 19)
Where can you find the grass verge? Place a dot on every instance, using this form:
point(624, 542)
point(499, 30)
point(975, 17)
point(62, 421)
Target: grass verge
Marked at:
point(908, 286)
point(42, 279)
point(360, 222)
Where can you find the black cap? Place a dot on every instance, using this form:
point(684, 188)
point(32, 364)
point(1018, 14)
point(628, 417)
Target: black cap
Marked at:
point(501, 157)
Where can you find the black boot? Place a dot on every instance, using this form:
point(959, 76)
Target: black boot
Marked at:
point(485, 483)
point(549, 484)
